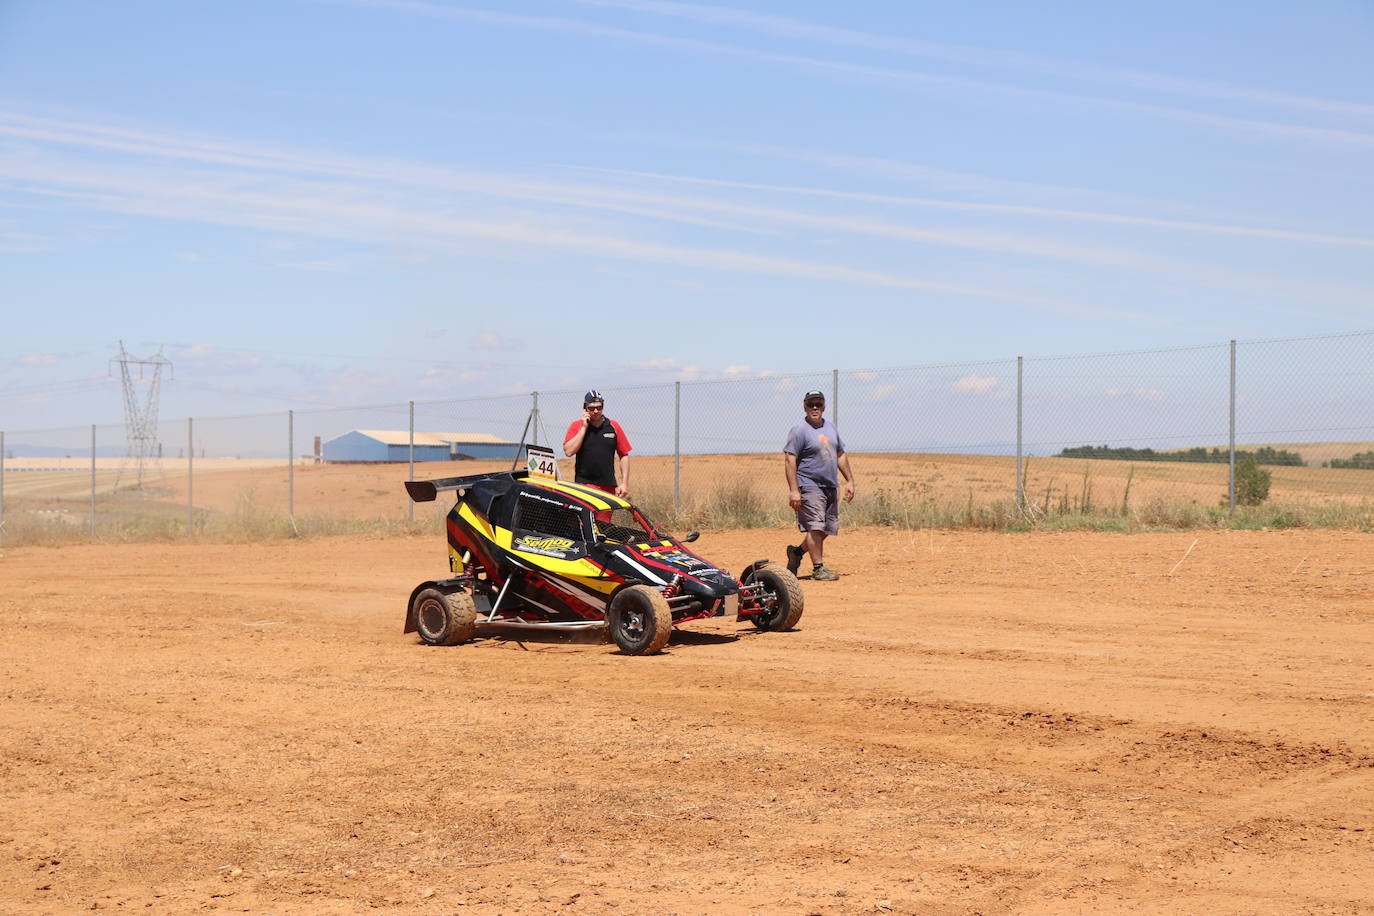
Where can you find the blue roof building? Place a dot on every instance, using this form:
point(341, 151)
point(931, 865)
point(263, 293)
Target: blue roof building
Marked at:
point(387, 445)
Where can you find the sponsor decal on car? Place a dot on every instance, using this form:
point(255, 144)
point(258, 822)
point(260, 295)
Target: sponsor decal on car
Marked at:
point(562, 504)
point(678, 558)
point(544, 546)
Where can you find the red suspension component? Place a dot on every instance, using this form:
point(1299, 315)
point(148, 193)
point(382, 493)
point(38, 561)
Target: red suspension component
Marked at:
point(673, 588)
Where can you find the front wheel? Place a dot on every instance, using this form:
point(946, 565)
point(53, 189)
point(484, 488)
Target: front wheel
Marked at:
point(639, 620)
point(444, 618)
point(781, 597)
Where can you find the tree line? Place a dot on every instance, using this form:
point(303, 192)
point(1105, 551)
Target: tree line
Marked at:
point(1264, 455)
point(1362, 460)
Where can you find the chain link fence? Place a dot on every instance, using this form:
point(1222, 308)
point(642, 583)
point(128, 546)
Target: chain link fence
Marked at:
point(1169, 436)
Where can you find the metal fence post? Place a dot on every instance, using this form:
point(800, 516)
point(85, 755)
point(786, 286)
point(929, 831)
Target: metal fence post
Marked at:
point(291, 467)
point(835, 397)
point(534, 419)
point(677, 444)
point(190, 476)
point(92, 480)
point(1231, 477)
point(410, 503)
point(1020, 483)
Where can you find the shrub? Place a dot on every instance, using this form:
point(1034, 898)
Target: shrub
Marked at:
point(1252, 483)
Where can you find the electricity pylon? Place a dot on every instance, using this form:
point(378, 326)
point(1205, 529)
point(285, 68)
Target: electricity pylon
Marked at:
point(140, 404)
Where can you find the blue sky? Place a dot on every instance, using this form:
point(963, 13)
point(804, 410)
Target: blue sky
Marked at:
point(331, 202)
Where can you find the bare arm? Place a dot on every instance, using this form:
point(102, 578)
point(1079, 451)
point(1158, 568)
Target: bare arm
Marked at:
point(793, 494)
point(623, 491)
point(848, 476)
point(571, 447)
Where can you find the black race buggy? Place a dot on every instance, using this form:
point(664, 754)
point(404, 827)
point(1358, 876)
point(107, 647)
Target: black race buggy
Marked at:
point(536, 552)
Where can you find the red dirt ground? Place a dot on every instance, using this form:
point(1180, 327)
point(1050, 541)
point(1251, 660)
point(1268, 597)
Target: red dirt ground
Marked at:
point(963, 723)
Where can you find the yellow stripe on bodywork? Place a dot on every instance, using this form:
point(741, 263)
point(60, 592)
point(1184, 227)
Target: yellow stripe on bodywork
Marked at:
point(583, 570)
point(481, 524)
point(599, 499)
point(586, 572)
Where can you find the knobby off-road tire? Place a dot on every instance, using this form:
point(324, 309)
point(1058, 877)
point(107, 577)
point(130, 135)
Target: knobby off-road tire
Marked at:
point(784, 592)
point(639, 620)
point(444, 618)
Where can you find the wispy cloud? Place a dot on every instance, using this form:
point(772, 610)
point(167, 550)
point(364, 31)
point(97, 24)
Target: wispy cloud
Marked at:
point(354, 382)
point(676, 208)
point(447, 380)
point(659, 368)
point(662, 362)
point(786, 27)
point(1121, 219)
point(881, 393)
point(924, 81)
point(975, 383)
point(943, 180)
point(490, 340)
point(35, 360)
point(211, 360)
point(445, 210)
point(288, 196)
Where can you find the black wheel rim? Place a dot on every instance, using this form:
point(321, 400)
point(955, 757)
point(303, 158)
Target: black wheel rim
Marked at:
point(430, 617)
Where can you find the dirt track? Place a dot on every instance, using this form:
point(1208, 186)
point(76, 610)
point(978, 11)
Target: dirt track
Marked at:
point(1043, 723)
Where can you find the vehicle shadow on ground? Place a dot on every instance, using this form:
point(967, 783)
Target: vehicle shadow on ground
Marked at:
point(495, 634)
point(698, 638)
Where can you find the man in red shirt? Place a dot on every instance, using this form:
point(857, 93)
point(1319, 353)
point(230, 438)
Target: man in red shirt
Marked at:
point(598, 441)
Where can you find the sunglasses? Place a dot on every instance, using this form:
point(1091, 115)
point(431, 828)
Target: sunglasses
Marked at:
point(811, 404)
point(595, 406)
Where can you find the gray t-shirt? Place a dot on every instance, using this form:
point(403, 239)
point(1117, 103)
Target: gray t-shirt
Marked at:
point(818, 450)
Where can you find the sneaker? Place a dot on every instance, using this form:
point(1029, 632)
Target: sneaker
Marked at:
point(822, 574)
point(794, 558)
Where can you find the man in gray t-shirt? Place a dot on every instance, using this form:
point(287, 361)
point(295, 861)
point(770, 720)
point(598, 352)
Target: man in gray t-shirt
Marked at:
point(815, 459)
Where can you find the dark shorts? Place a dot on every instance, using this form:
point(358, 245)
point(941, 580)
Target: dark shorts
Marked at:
point(820, 510)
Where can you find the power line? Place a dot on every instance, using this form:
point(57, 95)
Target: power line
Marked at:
point(66, 386)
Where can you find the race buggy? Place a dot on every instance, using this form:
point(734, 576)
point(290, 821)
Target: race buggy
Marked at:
point(535, 552)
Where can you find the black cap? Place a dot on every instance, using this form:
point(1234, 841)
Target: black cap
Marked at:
point(813, 393)
point(592, 396)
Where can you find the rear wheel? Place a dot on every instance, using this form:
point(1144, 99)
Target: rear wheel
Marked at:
point(444, 618)
point(639, 620)
point(781, 597)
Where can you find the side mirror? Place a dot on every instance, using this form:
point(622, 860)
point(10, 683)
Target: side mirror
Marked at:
point(692, 536)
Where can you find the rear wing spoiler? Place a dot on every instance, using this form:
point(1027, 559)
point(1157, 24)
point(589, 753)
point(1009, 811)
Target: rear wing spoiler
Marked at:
point(424, 491)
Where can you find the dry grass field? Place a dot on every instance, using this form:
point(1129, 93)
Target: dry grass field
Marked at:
point(915, 489)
